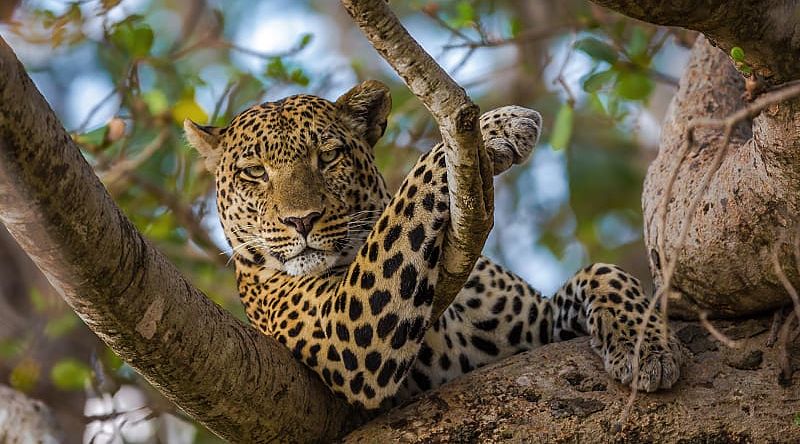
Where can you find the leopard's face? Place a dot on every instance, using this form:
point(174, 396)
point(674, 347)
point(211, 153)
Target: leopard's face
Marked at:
point(297, 188)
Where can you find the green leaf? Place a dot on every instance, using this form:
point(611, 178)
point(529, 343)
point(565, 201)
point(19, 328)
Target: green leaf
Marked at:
point(737, 54)
point(299, 77)
point(94, 137)
point(25, 375)
point(562, 128)
point(465, 14)
point(305, 40)
point(156, 101)
point(275, 68)
point(637, 47)
point(134, 38)
point(634, 85)
point(37, 300)
point(595, 81)
point(596, 104)
point(59, 326)
point(516, 26)
point(70, 374)
point(112, 361)
point(11, 348)
point(796, 419)
point(597, 49)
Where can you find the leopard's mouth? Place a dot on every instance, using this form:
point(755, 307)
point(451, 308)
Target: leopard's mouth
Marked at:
point(309, 260)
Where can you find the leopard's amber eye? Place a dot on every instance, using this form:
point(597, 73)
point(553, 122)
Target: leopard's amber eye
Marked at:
point(329, 156)
point(254, 173)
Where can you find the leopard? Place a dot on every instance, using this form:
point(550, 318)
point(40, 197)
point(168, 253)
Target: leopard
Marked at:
point(343, 272)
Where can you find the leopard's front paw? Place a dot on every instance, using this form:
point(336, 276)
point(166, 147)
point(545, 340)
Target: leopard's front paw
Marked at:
point(659, 366)
point(510, 133)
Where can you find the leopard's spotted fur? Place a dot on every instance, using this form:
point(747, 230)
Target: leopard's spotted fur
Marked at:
point(342, 272)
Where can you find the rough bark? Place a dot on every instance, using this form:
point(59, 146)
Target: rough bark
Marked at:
point(766, 29)
point(559, 393)
point(241, 384)
point(752, 202)
point(469, 174)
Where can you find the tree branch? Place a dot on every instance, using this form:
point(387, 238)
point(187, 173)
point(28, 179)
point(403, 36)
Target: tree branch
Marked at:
point(560, 393)
point(469, 174)
point(241, 384)
point(766, 30)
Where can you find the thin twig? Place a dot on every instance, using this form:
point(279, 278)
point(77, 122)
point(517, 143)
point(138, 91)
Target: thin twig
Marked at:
point(529, 35)
point(785, 363)
point(718, 335)
point(777, 322)
point(441, 22)
point(95, 109)
point(776, 265)
point(121, 168)
point(560, 79)
point(183, 215)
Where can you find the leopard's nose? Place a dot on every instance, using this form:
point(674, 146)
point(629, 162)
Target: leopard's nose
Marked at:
point(304, 224)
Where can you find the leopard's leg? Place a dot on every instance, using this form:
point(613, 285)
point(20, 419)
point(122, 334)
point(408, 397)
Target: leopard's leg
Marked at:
point(375, 318)
point(607, 303)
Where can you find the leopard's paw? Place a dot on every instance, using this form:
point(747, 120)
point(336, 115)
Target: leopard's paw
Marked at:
point(659, 364)
point(510, 133)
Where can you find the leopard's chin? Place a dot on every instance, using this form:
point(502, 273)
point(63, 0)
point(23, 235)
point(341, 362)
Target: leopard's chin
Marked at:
point(310, 261)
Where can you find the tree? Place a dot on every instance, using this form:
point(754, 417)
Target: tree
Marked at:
point(55, 207)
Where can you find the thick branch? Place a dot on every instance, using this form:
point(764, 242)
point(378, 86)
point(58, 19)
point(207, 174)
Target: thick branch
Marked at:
point(243, 385)
point(469, 174)
point(766, 30)
point(560, 393)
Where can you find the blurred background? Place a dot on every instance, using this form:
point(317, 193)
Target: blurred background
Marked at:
point(123, 74)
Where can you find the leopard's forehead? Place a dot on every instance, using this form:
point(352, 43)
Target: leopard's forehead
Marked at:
point(280, 131)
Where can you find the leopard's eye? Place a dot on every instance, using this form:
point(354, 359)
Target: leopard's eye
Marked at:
point(329, 156)
point(254, 173)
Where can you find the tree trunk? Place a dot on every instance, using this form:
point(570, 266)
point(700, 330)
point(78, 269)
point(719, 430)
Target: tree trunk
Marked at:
point(752, 203)
point(724, 265)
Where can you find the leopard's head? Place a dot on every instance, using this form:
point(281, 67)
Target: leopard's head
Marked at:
point(297, 187)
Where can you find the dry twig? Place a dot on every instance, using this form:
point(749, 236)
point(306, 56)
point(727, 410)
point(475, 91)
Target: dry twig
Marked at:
point(718, 335)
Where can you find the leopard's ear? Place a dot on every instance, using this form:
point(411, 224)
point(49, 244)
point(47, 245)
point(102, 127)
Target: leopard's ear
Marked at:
point(205, 139)
point(367, 106)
